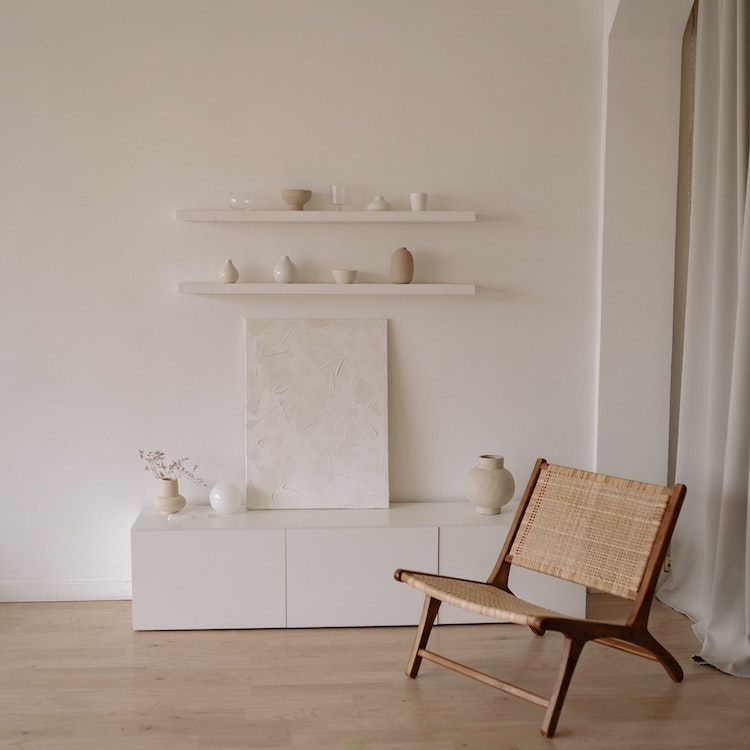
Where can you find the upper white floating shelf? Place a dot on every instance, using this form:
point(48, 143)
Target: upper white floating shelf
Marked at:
point(209, 287)
point(331, 217)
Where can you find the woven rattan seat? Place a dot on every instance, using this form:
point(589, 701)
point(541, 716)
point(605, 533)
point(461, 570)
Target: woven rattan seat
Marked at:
point(603, 532)
point(480, 598)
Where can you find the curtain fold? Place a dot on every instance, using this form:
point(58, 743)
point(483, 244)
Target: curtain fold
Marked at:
point(710, 576)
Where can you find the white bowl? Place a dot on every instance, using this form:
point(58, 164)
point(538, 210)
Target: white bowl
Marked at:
point(341, 276)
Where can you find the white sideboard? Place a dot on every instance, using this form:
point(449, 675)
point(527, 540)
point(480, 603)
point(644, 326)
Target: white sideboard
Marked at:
point(317, 568)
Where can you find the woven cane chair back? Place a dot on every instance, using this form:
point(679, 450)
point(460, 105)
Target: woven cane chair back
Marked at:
point(591, 529)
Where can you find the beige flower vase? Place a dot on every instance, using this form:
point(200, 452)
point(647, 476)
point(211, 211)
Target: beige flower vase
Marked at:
point(402, 266)
point(169, 499)
point(489, 485)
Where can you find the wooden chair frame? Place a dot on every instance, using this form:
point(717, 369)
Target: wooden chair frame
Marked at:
point(493, 598)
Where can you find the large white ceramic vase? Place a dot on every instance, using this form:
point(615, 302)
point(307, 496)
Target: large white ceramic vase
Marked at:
point(489, 485)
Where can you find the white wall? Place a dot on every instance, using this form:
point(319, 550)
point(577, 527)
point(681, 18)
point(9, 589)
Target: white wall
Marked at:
point(639, 208)
point(123, 112)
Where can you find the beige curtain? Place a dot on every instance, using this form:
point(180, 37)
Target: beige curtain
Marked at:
point(710, 572)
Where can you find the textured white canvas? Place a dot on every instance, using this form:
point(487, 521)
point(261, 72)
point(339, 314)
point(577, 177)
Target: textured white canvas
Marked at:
point(317, 413)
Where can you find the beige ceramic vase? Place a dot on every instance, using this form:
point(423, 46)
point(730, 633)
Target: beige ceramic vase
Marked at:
point(229, 274)
point(169, 499)
point(402, 266)
point(489, 485)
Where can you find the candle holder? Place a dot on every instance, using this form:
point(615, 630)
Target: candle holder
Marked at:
point(338, 196)
point(240, 200)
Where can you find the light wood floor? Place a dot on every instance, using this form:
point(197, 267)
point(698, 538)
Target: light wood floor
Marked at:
point(74, 675)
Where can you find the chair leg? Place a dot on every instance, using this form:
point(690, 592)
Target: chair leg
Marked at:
point(672, 668)
point(429, 613)
point(571, 651)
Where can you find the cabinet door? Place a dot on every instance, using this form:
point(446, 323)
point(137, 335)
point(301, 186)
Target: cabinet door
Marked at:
point(471, 552)
point(218, 578)
point(343, 577)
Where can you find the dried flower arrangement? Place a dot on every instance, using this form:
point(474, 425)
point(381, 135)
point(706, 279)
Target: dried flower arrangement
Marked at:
point(157, 464)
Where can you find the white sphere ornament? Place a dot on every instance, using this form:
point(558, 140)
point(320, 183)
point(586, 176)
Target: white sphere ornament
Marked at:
point(225, 498)
point(489, 485)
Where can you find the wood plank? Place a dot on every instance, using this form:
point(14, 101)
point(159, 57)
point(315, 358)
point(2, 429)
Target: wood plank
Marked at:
point(75, 676)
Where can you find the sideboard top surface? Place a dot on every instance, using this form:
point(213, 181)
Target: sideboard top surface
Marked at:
point(396, 515)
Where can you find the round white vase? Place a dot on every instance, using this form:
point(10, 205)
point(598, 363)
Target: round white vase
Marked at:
point(489, 485)
point(225, 498)
point(285, 272)
point(169, 499)
point(229, 274)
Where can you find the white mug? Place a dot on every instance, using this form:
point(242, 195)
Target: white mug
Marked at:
point(418, 201)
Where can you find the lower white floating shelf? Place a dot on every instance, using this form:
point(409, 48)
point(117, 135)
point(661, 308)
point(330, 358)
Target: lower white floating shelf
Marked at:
point(210, 287)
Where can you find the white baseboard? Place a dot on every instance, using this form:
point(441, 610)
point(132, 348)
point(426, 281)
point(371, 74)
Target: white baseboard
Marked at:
point(64, 591)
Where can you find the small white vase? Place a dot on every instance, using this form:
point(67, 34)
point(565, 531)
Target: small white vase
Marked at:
point(228, 274)
point(285, 272)
point(378, 203)
point(169, 500)
point(489, 485)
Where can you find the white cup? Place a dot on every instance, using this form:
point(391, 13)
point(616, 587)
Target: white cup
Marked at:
point(418, 201)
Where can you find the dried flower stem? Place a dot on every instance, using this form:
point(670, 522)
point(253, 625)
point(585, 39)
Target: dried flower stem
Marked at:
point(157, 464)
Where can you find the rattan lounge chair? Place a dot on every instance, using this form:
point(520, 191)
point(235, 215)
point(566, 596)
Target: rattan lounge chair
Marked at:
point(600, 531)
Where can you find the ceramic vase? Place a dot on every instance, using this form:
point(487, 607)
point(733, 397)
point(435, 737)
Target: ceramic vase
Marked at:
point(402, 266)
point(378, 203)
point(169, 499)
point(489, 485)
point(228, 274)
point(285, 272)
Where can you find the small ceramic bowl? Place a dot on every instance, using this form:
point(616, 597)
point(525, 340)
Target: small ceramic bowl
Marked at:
point(296, 199)
point(341, 276)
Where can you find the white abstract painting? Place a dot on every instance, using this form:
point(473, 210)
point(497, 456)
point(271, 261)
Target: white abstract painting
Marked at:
point(317, 413)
